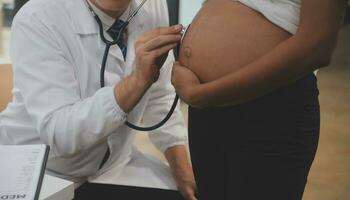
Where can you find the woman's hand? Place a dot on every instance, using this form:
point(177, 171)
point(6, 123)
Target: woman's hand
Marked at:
point(186, 84)
point(309, 49)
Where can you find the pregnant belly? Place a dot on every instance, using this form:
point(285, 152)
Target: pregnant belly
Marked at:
point(226, 36)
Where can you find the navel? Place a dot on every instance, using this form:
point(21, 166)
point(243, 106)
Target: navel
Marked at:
point(188, 52)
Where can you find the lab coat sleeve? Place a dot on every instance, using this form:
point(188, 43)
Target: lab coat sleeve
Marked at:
point(162, 96)
point(50, 90)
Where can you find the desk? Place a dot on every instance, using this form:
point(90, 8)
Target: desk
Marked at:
point(56, 189)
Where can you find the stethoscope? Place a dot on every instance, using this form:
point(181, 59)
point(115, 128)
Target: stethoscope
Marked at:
point(104, 61)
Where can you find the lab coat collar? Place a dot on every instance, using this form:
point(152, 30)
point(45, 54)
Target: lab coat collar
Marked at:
point(107, 20)
point(82, 18)
point(85, 23)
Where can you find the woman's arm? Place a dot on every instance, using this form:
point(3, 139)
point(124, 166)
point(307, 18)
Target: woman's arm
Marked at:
point(309, 49)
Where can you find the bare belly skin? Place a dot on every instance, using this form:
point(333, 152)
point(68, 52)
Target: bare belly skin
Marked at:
point(226, 36)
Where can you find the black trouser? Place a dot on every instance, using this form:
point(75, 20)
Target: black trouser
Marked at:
point(260, 150)
point(104, 191)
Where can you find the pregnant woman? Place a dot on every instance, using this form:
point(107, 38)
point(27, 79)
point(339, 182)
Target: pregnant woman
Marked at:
point(246, 70)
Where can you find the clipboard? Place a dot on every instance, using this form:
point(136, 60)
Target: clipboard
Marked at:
point(22, 170)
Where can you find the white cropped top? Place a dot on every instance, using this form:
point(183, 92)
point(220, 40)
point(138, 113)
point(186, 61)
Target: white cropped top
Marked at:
point(283, 13)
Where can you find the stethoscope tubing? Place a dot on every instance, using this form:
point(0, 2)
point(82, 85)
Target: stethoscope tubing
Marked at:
point(130, 125)
point(104, 63)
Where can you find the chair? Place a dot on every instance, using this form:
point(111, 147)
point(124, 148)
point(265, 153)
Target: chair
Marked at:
point(5, 85)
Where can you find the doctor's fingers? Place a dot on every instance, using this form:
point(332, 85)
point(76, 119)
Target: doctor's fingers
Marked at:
point(161, 41)
point(191, 198)
point(162, 50)
point(151, 57)
point(149, 35)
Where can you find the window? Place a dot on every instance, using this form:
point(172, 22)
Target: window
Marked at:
point(188, 9)
point(8, 8)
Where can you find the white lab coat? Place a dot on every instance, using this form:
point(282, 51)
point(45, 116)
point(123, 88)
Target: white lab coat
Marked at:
point(56, 53)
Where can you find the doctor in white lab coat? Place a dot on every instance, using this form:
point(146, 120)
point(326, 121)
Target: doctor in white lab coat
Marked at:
point(56, 52)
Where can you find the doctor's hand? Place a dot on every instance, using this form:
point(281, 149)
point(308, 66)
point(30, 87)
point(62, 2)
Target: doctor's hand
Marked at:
point(181, 169)
point(187, 85)
point(152, 48)
point(187, 187)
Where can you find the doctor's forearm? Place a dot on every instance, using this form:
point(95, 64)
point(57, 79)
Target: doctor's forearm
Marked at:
point(182, 171)
point(179, 162)
point(129, 91)
point(177, 157)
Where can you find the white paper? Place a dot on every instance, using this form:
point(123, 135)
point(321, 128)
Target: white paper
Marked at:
point(20, 168)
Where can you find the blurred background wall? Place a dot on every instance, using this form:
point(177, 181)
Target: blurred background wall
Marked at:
point(188, 8)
